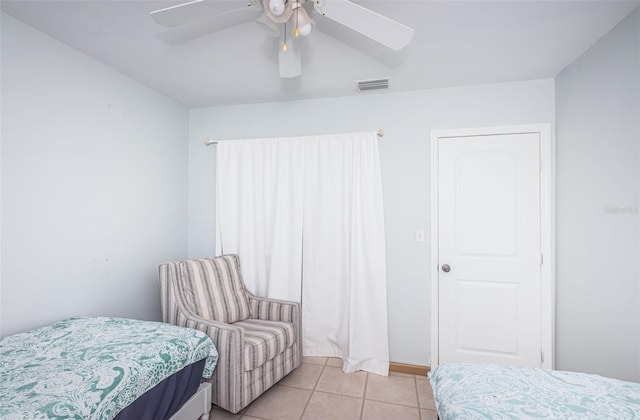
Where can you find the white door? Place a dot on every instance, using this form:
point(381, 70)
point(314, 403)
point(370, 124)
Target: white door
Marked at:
point(489, 249)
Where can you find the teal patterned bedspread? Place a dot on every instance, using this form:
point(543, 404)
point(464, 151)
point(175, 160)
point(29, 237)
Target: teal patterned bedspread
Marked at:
point(468, 391)
point(92, 368)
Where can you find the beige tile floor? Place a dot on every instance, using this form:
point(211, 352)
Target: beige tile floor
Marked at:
point(319, 390)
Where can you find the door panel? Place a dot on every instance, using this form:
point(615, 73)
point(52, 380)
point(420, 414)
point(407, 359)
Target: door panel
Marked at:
point(473, 315)
point(485, 203)
point(489, 234)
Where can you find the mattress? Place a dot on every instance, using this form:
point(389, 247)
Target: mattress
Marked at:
point(92, 368)
point(469, 391)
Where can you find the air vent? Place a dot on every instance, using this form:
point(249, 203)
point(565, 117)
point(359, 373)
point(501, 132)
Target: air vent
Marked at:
point(373, 84)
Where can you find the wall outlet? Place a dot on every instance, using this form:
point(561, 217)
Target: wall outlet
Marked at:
point(420, 235)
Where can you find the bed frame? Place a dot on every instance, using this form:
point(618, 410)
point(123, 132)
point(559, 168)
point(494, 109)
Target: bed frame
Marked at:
point(196, 407)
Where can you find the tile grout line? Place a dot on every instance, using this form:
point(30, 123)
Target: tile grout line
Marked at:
point(415, 384)
point(364, 395)
point(398, 403)
point(395, 403)
point(324, 365)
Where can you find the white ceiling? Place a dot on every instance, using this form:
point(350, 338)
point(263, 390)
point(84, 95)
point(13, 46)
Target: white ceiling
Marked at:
point(456, 43)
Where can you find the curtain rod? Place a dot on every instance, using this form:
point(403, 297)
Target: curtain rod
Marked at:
point(209, 142)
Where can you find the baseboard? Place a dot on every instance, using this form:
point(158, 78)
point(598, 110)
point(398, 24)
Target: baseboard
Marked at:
point(410, 369)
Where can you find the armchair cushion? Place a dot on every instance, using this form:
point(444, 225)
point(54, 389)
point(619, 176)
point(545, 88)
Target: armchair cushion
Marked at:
point(214, 288)
point(264, 340)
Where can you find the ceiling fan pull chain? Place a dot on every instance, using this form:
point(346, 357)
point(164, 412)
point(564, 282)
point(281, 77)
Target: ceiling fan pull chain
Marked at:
point(296, 32)
point(284, 44)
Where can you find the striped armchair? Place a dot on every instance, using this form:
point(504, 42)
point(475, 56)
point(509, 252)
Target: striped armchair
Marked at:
point(258, 340)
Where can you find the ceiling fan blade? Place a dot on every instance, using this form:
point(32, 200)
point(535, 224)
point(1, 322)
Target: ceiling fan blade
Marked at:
point(381, 29)
point(290, 61)
point(196, 10)
point(208, 25)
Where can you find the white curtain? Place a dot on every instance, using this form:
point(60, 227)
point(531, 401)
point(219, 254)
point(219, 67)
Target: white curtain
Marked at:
point(305, 215)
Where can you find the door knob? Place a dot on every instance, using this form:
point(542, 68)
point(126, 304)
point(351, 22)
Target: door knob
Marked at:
point(446, 268)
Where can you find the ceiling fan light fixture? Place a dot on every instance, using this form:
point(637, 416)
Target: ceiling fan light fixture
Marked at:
point(305, 30)
point(276, 7)
point(304, 23)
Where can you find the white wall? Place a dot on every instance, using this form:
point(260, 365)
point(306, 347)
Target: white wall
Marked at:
point(407, 119)
point(94, 185)
point(598, 192)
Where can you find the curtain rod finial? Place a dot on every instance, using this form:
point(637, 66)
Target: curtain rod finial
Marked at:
point(380, 133)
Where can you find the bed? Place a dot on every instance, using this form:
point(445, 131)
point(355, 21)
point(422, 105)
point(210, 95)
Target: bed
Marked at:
point(106, 368)
point(470, 391)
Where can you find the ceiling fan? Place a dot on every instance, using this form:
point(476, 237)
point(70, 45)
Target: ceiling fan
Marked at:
point(288, 19)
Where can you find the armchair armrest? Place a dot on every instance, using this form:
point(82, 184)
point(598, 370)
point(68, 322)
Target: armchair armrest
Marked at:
point(229, 342)
point(279, 310)
point(274, 309)
point(213, 329)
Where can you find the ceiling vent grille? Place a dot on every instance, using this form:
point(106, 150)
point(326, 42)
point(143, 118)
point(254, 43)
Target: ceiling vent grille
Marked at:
point(373, 84)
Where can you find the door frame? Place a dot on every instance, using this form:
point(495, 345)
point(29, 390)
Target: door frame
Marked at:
point(547, 238)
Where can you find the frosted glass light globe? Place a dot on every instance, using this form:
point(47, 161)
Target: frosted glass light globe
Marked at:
point(305, 29)
point(276, 7)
